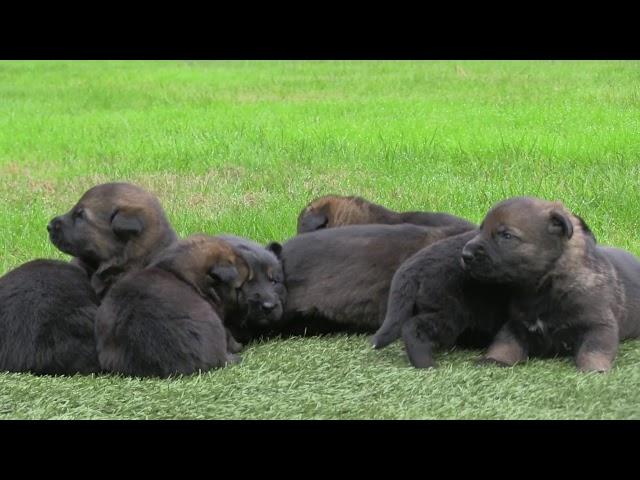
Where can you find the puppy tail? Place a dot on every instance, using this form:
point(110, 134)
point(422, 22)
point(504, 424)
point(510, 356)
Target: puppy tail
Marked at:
point(400, 306)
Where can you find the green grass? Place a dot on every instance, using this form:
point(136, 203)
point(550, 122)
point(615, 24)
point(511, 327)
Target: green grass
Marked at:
point(242, 146)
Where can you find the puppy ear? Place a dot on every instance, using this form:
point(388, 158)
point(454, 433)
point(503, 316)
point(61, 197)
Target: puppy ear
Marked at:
point(560, 224)
point(244, 271)
point(276, 248)
point(224, 273)
point(126, 224)
point(233, 275)
point(312, 221)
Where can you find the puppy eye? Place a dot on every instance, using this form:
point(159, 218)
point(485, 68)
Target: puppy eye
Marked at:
point(78, 214)
point(506, 235)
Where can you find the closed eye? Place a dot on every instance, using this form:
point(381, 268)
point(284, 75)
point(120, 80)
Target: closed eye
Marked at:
point(78, 214)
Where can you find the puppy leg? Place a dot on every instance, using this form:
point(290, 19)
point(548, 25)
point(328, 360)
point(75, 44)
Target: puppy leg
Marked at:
point(233, 346)
point(422, 332)
point(506, 350)
point(597, 348)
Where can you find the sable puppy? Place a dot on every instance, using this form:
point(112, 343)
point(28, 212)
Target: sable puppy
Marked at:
point(338, 279)
point(261, 298)
point(114, 227)
point(47, 309)
point(336, 211)
point(570, 295)
point(166, 319)
point(434, 303)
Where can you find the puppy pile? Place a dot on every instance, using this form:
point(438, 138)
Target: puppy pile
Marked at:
point(137, 300)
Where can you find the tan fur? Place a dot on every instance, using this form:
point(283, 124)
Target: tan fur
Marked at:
point(508, 353)
point(342, 210)
point(204, 251)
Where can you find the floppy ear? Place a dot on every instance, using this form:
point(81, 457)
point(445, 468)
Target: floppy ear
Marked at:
point(244, 271)
point(233, 275)
point(126, 224)
point(311, 221)
point(560, 224)
point(224, 273)
point(276, 248)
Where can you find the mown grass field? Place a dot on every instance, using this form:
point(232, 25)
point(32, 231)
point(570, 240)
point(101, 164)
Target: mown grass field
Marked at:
point(241, 147)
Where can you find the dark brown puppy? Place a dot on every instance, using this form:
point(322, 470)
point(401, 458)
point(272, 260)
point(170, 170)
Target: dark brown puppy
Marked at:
point(570, 295)
point(338, 279)
point(114, 228)
point(336, 211)
point(47, 309)
point(435, 303)
point(261, 299)
point(167, 318)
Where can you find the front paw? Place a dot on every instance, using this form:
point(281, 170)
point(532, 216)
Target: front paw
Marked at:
point(594, 362)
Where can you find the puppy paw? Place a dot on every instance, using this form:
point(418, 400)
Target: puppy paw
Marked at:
point(594, 362)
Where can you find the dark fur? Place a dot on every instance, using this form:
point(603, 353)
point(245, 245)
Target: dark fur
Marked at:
point(47, 310)
point(114, 228)
point(262, 297)
point(338, 279)
point(434, 303)
point(571, 296)
point(337, 211)
point(167, 318)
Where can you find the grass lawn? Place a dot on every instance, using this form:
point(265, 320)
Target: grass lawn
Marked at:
point(241, 147)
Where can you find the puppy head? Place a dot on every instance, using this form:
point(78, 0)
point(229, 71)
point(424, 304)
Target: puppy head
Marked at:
point(208, 264)
point(332, 211)
point(520, 240)
point(262, 297)
point(112, 225)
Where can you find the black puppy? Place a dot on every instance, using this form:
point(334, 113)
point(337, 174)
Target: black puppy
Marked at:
point(571, 296)
point(337, 211)
point(167, 318)
point(262, 297)
point(47, 309)
point(434, 303)
point(338, 279)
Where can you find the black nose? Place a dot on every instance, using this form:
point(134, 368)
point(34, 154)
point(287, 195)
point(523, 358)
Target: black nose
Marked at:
point(54, 225)
point(467, 254)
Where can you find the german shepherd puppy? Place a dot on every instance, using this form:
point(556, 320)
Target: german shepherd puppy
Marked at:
point(166, 319)
point(336, 211)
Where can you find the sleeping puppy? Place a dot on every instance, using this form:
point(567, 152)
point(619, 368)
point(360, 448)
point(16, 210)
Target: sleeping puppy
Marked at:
point(262, 297)
point(167, 318)
point(336, 211)
point(114, 228)
point(47, 309)
point(338, 279)
point(571, 296)
point(434, 303)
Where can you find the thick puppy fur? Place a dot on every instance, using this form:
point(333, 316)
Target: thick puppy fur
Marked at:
point(262, 297)
point(336, 211)
point(434, 303)
point(571, 296)
point(114, 228)
point(166, 319)
point(47, 311)
point(338, 279)
point(541, 270)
